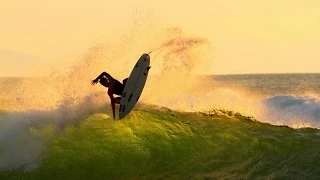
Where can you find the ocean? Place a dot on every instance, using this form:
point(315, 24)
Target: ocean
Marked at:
point(253, 126)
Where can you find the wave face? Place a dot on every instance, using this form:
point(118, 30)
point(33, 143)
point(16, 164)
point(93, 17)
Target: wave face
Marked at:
point(158, 143)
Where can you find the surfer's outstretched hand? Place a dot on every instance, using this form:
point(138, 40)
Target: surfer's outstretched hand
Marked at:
point(93, 82)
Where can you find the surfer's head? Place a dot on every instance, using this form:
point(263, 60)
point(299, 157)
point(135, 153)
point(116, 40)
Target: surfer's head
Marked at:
point(104, 82)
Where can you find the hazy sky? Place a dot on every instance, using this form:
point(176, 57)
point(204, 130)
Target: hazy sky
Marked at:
point(248, 36)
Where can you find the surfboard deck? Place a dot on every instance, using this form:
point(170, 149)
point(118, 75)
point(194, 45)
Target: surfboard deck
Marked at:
point(134, 86)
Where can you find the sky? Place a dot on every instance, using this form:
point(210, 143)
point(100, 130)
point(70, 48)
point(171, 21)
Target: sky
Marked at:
point(247, 36)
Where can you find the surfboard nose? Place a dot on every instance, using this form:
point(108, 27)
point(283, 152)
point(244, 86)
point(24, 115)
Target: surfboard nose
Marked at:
point(147, 57)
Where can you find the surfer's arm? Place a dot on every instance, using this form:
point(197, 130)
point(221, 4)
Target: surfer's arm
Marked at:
point(104, 74)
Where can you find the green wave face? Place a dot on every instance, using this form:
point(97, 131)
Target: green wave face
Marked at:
point(153, 143)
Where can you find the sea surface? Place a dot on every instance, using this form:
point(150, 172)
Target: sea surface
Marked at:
point(255, 126)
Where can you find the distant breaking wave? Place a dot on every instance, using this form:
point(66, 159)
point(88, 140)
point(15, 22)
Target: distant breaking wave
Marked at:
point(293, 111)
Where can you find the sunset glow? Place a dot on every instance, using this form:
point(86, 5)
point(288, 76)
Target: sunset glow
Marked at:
point(246, 36)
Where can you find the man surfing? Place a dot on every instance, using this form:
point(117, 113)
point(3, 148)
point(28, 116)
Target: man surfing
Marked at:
point(114, 87)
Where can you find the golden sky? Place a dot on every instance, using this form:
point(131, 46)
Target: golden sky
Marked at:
point(248, 36)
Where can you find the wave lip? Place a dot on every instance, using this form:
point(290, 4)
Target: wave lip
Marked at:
point(294, 111)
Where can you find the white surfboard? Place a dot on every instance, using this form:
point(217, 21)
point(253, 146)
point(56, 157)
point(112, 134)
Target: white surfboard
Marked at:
point(134, 85)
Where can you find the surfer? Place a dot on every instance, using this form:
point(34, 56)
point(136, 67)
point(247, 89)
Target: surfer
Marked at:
point(114, 88)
